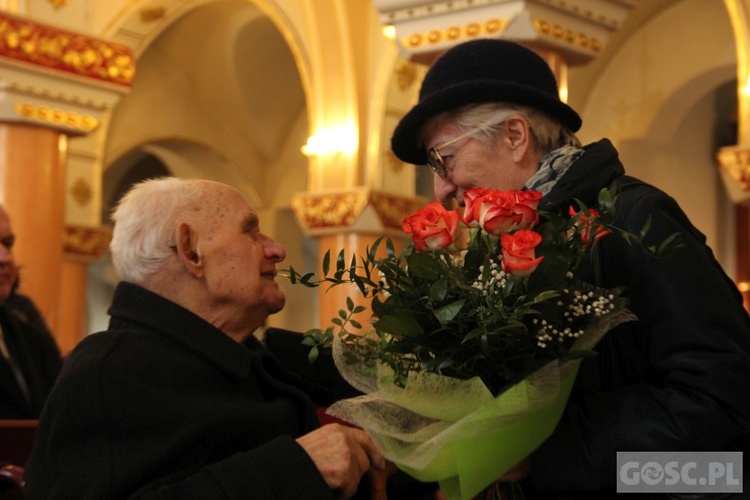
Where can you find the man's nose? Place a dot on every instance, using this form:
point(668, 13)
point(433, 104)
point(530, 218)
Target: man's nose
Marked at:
point(274, 251)
point(5, 254)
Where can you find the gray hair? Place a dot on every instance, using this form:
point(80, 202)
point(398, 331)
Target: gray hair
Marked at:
point(145, 220)
point(485, 119)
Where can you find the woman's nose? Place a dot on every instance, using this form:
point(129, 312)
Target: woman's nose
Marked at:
point(443, 188)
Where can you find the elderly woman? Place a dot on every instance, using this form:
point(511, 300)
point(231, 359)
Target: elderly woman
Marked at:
point(177, 399)
point(489, 116)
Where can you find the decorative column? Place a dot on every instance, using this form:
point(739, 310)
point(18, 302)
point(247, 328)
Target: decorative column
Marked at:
point(55, 85)
point(734, 161)
point(351, 220)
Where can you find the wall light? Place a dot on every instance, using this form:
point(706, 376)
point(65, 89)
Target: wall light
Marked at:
point(746, 88)
point(332, 141)
point(389, 31)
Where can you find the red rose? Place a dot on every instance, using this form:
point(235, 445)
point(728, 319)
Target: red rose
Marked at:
point(518, 250)
point(432, 228)
point(499, 212)
point(583, 226)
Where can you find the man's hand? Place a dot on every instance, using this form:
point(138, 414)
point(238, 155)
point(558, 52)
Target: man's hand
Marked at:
point(342, 455)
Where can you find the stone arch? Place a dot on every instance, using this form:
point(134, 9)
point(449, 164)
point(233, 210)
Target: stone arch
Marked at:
point(206, 90)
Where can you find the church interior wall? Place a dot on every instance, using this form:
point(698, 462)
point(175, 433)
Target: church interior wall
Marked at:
point(655, 98)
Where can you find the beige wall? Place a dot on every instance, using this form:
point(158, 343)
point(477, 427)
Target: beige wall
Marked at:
point(655, 99)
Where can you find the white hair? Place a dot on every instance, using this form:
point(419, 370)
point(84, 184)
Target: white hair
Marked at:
point(145, 220)
point(485, 119)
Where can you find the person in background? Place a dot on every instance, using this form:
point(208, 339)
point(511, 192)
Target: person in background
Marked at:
point(177, 398)
point(489, 115)
point(30, 360)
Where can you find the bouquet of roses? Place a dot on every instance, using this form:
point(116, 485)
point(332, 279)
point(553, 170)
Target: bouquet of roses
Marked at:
point(475, 333)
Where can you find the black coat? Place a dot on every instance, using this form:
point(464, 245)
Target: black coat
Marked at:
point(676, 380)
point(35, 353)
point(164, 405)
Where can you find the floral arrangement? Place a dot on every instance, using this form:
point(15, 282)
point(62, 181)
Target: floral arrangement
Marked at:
point(489, 293)
point(477, 328)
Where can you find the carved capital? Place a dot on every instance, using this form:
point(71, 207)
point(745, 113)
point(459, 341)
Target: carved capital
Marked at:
point(360, 210)
point(734, 165)
point(85, 244)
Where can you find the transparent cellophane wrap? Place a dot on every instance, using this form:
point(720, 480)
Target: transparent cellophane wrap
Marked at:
point(456, 432)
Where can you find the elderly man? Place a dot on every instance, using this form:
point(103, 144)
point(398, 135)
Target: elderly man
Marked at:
point(29, 358)
point(489, 116)
point(177, 399)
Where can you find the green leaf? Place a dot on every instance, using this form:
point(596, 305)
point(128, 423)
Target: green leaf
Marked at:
point(424, 265)
point(439, 290)
point(402, 324)
point(447, 313)
point(355, 324)
point(670, 245)
point(349, 304)
point(326, 263)
point(545, 295)
point(312, 356)
point(292, 275)
point(646, 227)
point(389, 249)
point(372, 252)
point(308, 341)
point(476, 332)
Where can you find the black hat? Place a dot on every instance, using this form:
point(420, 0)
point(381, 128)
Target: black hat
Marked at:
point(480, 71)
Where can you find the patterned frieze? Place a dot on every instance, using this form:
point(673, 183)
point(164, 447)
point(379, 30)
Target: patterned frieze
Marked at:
point(57, 78)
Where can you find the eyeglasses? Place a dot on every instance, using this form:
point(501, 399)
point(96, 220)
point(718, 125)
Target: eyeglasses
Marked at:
point(437, 161)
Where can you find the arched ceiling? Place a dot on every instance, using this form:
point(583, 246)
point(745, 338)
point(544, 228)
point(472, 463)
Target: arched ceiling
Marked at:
point(222, 75)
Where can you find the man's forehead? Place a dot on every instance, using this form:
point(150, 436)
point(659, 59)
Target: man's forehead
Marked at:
point(229, 204)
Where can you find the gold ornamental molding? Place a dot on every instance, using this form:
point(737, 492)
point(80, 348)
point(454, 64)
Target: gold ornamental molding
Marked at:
point(455, 33)
point(329, 210)
point(88, 244)
point(56, 117)
point(735, 162)
point(29, 42)
point(568, 36)
point(338, 211)
point(578, 29)
point(392, 209)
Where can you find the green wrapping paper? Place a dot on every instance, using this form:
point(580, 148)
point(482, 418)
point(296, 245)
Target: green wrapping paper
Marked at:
point(454, 431)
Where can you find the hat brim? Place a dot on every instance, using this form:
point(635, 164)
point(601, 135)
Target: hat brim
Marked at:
point(406, 143)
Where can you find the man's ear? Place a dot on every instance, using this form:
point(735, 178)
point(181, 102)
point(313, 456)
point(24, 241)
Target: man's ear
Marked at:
point(517, 136)
point(187, 249)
